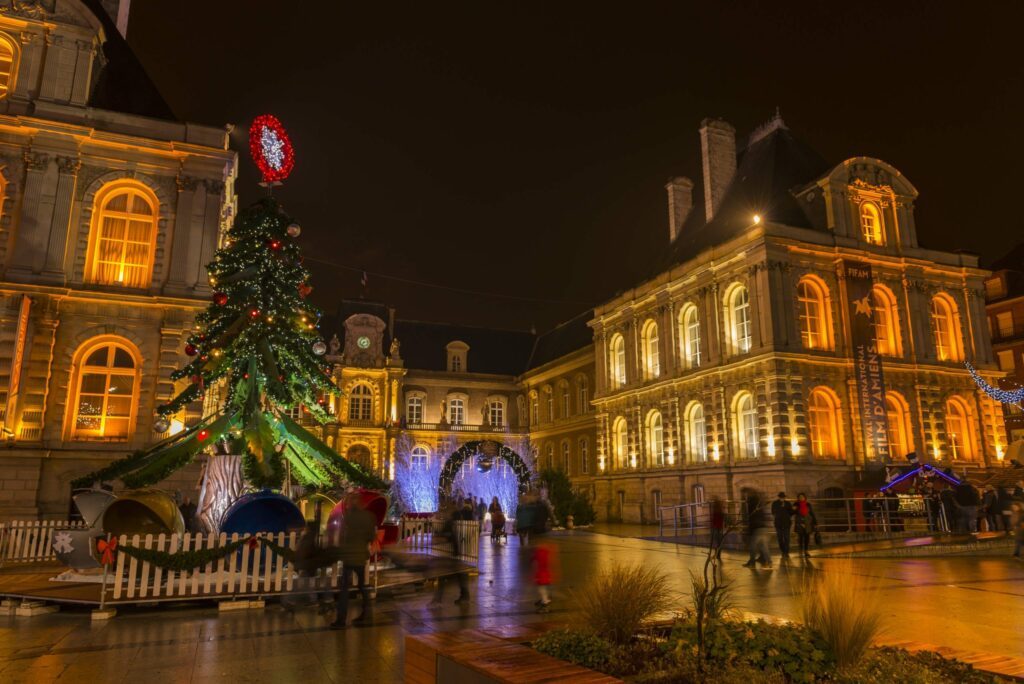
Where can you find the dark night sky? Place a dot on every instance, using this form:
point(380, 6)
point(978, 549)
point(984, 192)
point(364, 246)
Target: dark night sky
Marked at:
point(522, 148)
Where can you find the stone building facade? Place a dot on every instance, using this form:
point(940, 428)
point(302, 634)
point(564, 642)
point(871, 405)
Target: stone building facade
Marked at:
point(109, 210)
point(1004, 296)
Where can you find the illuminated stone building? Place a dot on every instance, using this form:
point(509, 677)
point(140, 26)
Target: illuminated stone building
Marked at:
point(734, 366)
point(109, 210)
point(1004, 294)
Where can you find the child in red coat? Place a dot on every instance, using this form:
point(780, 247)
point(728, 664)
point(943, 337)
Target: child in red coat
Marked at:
point(543, 574)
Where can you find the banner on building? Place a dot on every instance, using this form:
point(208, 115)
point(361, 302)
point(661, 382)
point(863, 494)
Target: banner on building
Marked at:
point(867, 362)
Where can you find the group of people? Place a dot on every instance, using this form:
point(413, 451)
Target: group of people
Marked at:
point(785, 517)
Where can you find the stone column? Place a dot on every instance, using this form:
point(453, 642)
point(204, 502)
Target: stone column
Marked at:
point(28, 237)
point(83, 71)
point(179, 257)
point(56, 250)
point(210, 232)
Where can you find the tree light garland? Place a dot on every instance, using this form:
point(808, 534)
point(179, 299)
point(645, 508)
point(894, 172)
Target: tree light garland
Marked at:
point(1003, 396)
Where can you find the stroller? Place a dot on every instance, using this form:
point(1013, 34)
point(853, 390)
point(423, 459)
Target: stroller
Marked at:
point(498, 527)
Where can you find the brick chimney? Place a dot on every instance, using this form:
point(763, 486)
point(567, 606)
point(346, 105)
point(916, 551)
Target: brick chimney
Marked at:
point(718, 150)
point(680, 202)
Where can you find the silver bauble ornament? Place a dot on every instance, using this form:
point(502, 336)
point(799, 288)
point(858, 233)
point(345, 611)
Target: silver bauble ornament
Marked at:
point(161, 424)
point(294, 230)
point(484, 464)
point(319, 348)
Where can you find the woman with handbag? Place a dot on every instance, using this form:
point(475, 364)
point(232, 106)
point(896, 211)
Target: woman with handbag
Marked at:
point(805, 523)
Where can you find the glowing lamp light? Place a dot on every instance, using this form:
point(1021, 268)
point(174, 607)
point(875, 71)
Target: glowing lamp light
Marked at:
point(771, 447)
point(714, 453)
point(203, 434)
point(271, 149)
point(671, 456)
point(999, 452)
point(176, 427)
point(795, 446)
point(632, 460)
point(756, 218)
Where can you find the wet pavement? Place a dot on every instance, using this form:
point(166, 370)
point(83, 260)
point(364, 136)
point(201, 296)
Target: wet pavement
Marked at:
point(975, 602)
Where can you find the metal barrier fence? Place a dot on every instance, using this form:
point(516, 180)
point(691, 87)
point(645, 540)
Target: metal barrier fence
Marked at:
point(28, 541)
point(866, 516)
point(458, 538)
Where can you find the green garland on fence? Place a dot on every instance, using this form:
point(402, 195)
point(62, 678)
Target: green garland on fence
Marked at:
point(288, 554)
point(185, 560)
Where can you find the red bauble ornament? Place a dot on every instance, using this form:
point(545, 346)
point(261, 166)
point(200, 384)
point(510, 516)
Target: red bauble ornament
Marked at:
point(255, 313)
point(203, 434)
point(274, 245)
point(220, 299)
point(304, 290)
point(191, 349)
point(271, 148)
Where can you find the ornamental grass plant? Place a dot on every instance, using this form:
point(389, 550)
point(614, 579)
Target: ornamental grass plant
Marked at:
point(616, 603)
point(845, 609)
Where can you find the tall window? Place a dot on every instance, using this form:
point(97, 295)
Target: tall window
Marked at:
point(551, 455)
point(739, 319)
point(946, 329)
point(746, 426)
point(690, 330)
point(885, 321)
point(621, 442)
point(106, 393)
point(456, 411)
point(698, 433)
point(414, 410)
point(810, 297)
point(123, 234)
point(656, 438)
point(958, 430)
point(549, 398)
point(565, 457)
point(534, 411)
point(822, 409)
point(584, 457)
point(652, 360)
point(583, 394)
point(7, 65)
point(617, 361)
point(871, 224)
point(360, 403)
point(565, 401)
point(496, 413)
point(420, 457)
point(898, 415)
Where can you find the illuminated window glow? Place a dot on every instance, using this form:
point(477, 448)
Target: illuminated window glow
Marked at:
point(885, 321)
point(360, 403)
point(106, 392)
point(946, 329)
point(739, 319)
point(690, 335)
point(697, 429)
point(652, 359)
point(810, 296)
point(8, 62)
point(123, 235)
point(617, 361)
point(656, 438)
point(746, 426)
point(871, 224)
point(900, 434)
point(958, 430)
point(822, 413)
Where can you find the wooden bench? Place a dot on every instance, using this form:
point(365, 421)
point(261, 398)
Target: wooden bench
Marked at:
point(472, 657)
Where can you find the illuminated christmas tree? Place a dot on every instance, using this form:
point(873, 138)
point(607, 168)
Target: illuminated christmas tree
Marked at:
point(259, 338)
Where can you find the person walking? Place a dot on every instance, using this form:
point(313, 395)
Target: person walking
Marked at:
point(481, 511)
point(805, 523)
point(967, 500)
point(497, 519)
point(358, 531)
point(782, 514)
point(717, 526)
point(759, 530)
point(543, 574)
point(526, 514)
point(1004, 507)
point(463, 513)
point(989, 510)
point(950, 515)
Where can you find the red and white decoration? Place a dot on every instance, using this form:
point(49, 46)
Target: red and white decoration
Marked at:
point(271, 149)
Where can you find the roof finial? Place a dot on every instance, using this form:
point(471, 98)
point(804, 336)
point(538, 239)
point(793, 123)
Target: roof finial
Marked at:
point(762, 131)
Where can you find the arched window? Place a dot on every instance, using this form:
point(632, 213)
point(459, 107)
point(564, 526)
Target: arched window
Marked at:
point(885, 321)
point(456, 410)
point(360, 403)
point(105, 392)
point(566, 401)
point(822, 423)
point(534, 410)
point(584, 456)
point(123, 234)
point(360, 454)
point(420, 457)
point(414, 410)
point(621, 442)
point(871, 224)
point(898, 414)
point(698, 435)
point(739, 319)
point(583, 393)
point(8, 65)
point(811, 300)
point(689, 333)
point(959, 435)
point(656, 438)
point(549, 399)
point(946, 329)
point(617, 361)
point(746, 426)
point(652, 360)
point(565, 456)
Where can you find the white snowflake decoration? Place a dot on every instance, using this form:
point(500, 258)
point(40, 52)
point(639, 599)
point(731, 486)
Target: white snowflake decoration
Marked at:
point(273, 148)
point(62, 542)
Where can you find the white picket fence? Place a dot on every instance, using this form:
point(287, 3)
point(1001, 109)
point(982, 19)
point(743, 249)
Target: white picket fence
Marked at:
point(27, 541)
point(248, 571)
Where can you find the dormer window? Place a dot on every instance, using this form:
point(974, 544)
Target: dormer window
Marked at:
point(871, 224)
point(457, 353)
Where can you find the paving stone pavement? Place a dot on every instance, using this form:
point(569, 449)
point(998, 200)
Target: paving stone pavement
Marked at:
point(951, 602)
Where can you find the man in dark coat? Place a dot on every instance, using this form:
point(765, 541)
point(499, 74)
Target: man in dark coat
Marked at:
point(358, 531)
point(782, 512)
point(967, 500)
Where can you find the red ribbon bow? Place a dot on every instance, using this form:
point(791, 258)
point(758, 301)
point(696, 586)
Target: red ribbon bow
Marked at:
point(253, 543)
point(107, 548)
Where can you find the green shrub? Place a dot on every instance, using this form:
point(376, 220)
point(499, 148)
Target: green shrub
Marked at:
point(564, 499)
point(884, 665)
point(795, 651)
point(576, 646)
point(616, 603)
point(582, 510)
point(845, 609)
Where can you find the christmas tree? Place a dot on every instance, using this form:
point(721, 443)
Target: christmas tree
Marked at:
point(259, 338)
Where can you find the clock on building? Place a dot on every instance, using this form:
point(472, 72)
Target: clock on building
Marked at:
point(363, 342)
